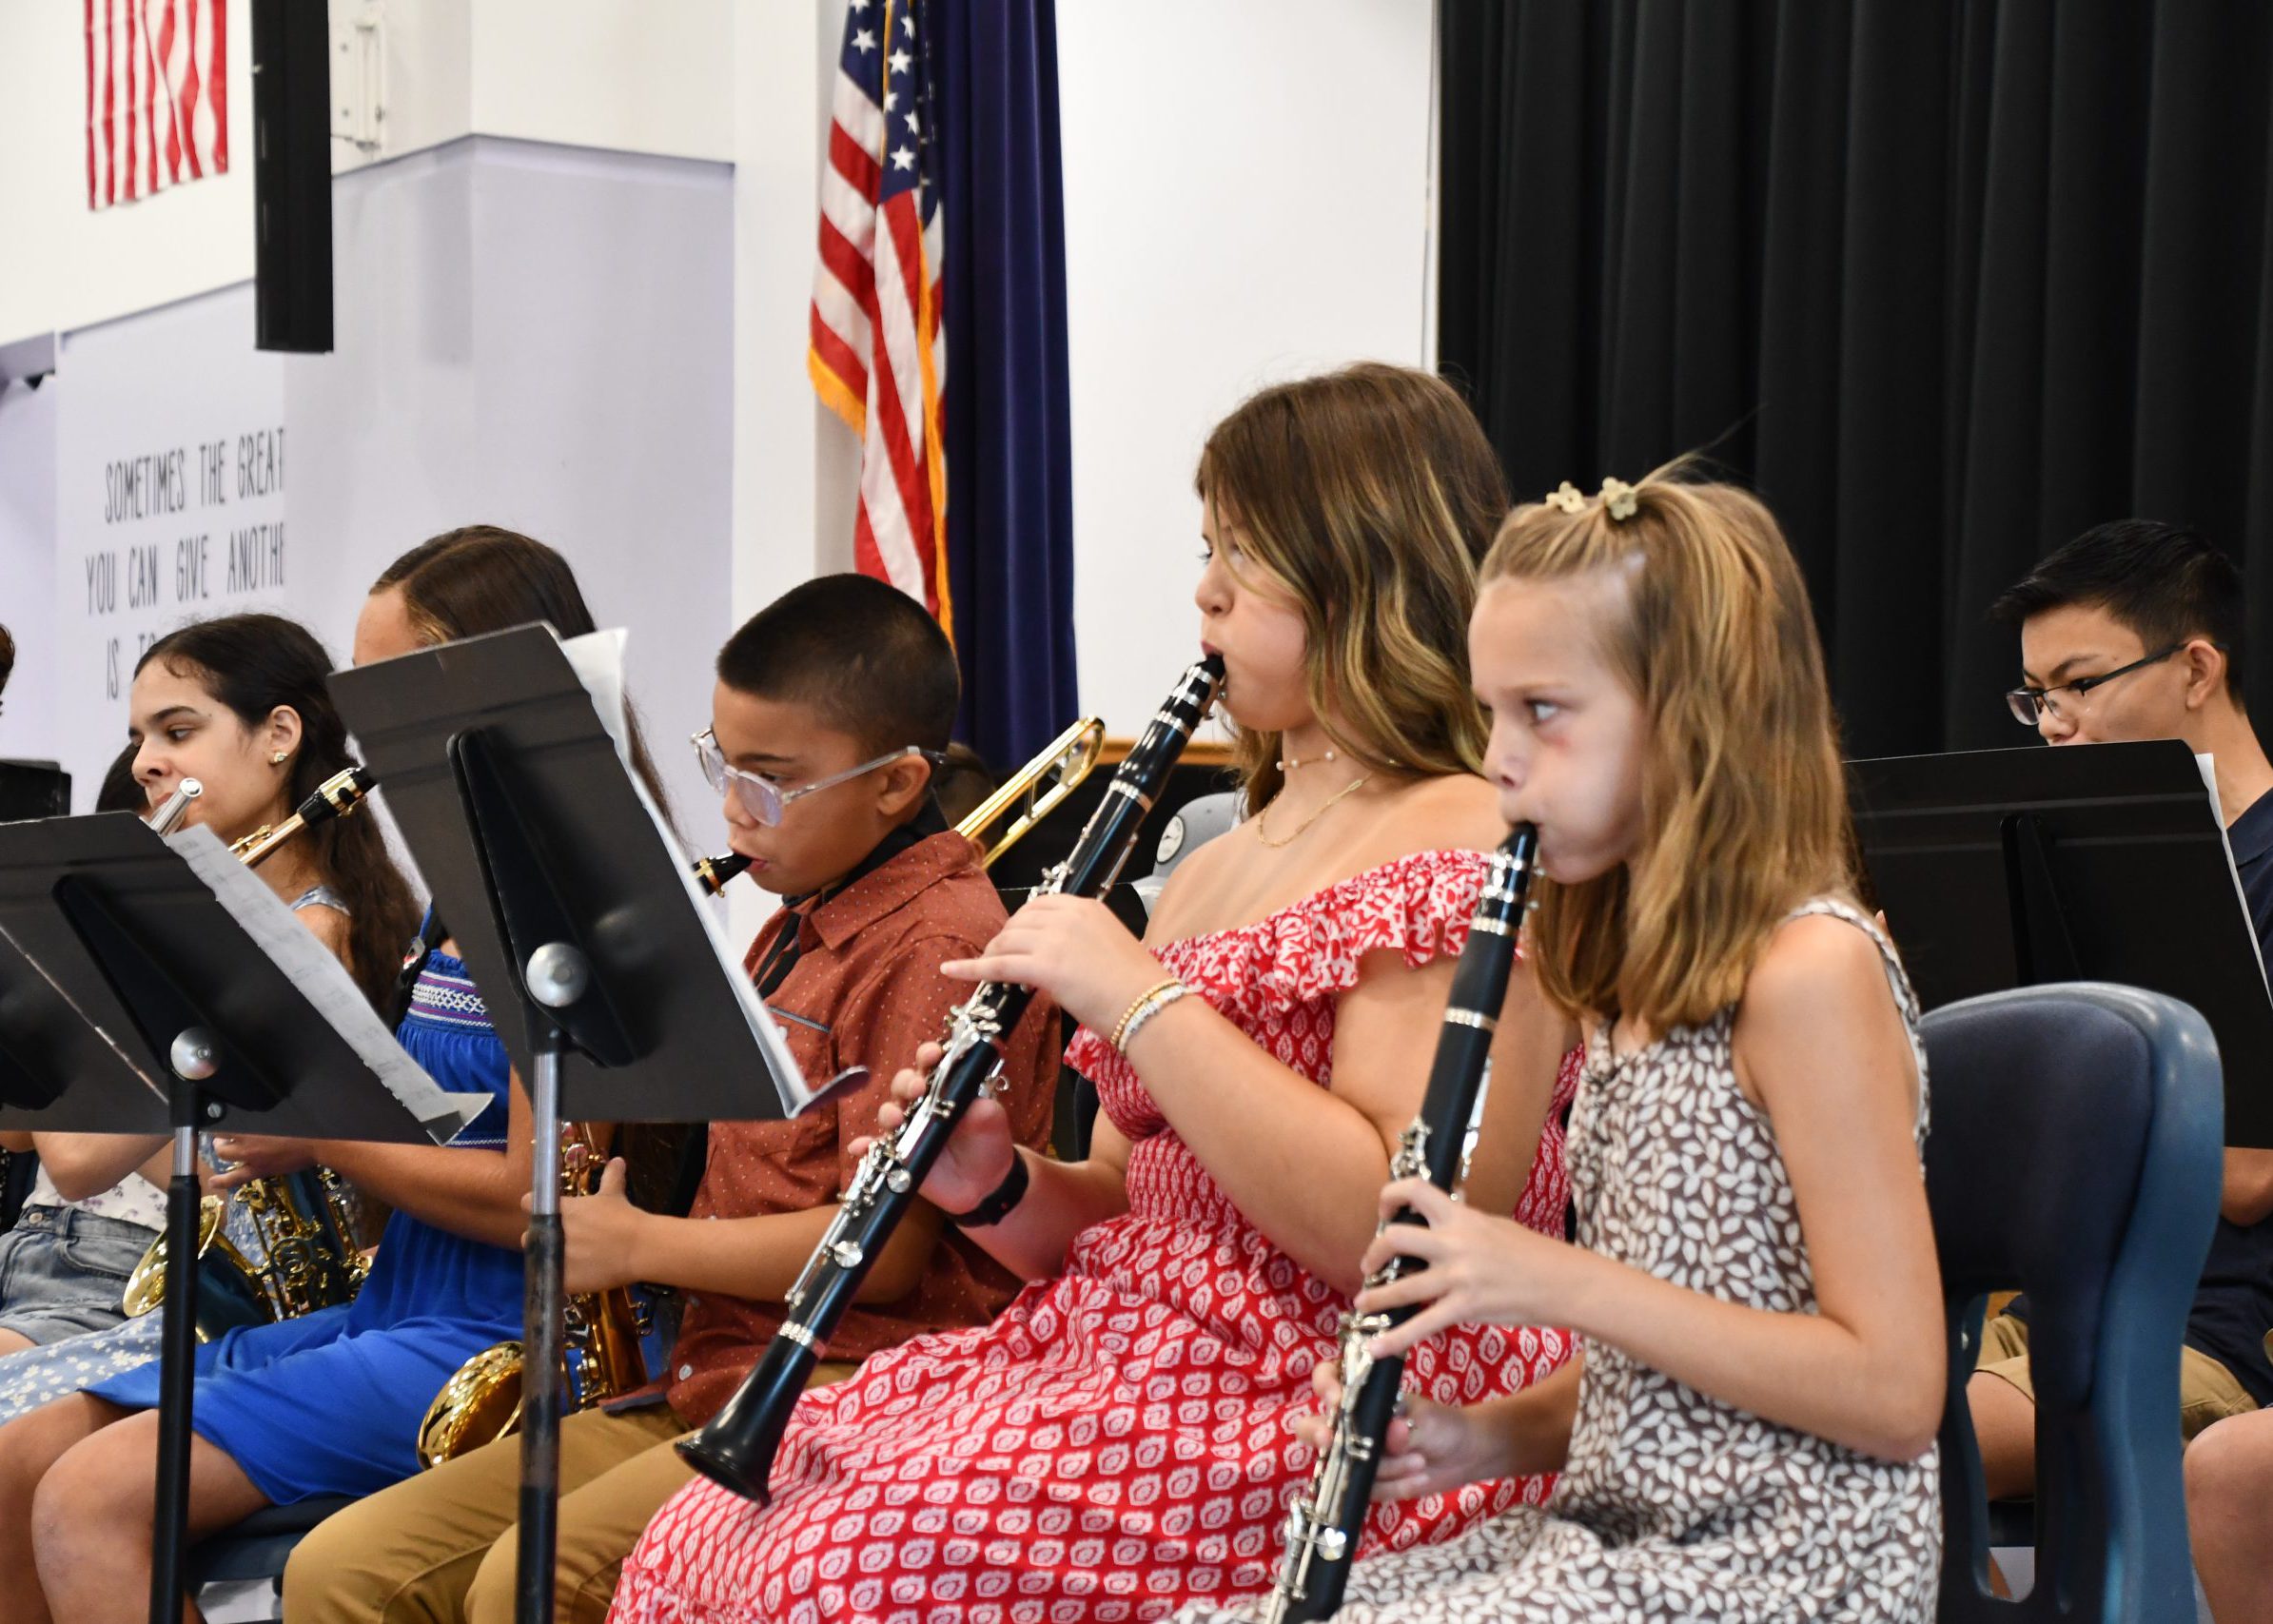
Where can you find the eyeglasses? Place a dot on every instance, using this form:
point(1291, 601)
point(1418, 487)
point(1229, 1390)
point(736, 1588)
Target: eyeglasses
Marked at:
point(765, 800)
point(2028, 704)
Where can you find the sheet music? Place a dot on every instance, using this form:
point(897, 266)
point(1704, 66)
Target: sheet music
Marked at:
point(324, 982)
point(598, 659)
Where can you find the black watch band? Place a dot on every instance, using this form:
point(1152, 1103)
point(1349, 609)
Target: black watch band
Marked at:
point(997, 1205)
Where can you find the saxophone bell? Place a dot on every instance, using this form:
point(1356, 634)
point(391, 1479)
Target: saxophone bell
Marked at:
point(482, 1402)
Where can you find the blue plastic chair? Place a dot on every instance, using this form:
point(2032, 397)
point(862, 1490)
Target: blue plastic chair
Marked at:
point(257, 1547)
point(2076, 1153)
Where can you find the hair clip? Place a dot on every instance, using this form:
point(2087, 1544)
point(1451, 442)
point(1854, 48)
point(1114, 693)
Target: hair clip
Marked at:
point(1566, 497)
point(1620, 498)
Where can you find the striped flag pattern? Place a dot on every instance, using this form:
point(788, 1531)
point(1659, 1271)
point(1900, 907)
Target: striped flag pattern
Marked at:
point(157, 96)
point(878, 353)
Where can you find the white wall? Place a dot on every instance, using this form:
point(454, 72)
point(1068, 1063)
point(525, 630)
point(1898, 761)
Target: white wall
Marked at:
point(65, 265)
point(528, 335)
point(27, 418)
point(1247, 199)
point(631, 75)
point(1235, 214)
point(650, 76)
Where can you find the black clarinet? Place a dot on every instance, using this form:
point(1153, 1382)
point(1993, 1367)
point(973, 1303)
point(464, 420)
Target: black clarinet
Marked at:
point(1324, 1525)
point(736, 1448)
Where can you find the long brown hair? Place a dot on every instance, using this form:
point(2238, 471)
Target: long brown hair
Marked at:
point(480, 578)
point(1372, 493)
point(254, 664)
point(1744, 805)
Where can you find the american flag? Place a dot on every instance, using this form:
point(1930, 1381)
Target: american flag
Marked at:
point(157, 96)
point(878, 352)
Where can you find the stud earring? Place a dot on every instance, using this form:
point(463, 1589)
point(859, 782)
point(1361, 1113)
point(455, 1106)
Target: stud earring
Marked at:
point(278, 759)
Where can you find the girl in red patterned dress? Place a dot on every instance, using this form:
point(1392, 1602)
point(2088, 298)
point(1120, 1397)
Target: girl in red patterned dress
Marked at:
point(1115, 1444)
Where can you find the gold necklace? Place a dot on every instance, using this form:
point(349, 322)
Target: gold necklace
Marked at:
point(1350, 789)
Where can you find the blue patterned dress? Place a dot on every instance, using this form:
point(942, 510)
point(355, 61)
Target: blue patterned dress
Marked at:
point(330, 1403)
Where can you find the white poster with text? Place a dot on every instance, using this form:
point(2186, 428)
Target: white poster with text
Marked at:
point(170, 502)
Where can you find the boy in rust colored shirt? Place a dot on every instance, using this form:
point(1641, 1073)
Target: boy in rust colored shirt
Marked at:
point(831, 710)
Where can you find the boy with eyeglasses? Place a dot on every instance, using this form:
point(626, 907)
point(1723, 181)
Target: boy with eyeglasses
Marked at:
point(832, 709)
point(2136, 630)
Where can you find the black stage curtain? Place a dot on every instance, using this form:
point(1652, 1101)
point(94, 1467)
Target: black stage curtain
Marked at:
point(1947, 282)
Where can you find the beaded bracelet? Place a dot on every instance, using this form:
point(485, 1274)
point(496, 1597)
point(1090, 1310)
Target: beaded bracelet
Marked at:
point(1154, 1005)
point(1130, 1015)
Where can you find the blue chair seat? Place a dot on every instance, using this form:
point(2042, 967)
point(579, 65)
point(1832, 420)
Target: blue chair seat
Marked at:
point(258, 1547)
point(2076, 1152)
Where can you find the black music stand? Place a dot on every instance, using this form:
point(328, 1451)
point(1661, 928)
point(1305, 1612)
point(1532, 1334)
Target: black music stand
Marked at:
point(584, 929)
point(33, 789)
point(133, 1000)
point(2011, 868)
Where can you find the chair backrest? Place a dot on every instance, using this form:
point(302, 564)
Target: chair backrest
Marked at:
point(1195, 822)
point(2076, 1153)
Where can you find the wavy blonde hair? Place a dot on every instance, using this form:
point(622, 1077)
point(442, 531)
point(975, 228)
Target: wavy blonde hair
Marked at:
point(1744, 804)
point(1371, 493)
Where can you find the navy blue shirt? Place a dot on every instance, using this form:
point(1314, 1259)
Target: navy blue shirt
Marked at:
point(2233, 1309)
point(2233, 1305)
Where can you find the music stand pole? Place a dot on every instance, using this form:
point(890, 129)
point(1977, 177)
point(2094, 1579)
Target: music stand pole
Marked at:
point(558, 975)
point(193, 1058)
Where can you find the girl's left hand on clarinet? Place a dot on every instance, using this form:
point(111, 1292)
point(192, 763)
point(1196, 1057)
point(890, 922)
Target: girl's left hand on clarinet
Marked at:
point(1481, 1269)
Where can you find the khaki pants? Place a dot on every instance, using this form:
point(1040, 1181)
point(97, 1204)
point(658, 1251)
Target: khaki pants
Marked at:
point(442, 1545)
point(2207, 1390)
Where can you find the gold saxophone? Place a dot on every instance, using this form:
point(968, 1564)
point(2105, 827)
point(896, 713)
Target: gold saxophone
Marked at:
point(483, 1402)
point(305, 1219)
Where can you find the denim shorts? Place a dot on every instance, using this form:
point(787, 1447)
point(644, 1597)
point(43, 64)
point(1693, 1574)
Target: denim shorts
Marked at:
point(62, 1271)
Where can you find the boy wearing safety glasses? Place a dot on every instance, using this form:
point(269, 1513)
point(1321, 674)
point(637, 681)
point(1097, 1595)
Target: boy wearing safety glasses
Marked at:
point(832, 709)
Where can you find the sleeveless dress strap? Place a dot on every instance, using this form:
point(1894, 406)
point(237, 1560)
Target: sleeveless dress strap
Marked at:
point(1906, 998)
point(321, 896)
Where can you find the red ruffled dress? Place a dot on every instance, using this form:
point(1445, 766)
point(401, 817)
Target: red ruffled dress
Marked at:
point(1115, 1444)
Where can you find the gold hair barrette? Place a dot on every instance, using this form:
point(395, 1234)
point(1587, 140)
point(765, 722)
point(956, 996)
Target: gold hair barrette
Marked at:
point(1620, 498)
point(1566, 497)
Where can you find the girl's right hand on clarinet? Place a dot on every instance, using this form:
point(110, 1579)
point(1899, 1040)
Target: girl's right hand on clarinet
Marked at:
point(978, 1151)
point(1431, 1449)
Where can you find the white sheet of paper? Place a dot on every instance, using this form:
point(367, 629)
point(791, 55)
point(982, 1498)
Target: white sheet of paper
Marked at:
point(324, 982)
point(2207, 764)
point(597, 660)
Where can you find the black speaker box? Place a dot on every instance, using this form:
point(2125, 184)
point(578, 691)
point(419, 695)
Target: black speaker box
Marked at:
point(291, 174)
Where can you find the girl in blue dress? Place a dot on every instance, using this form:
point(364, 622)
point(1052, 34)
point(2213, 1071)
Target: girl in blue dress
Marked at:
point(328, 1403)
point(330, 886)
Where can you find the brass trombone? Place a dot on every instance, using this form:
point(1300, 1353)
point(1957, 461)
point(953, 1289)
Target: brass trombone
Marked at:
point(1035, 789)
